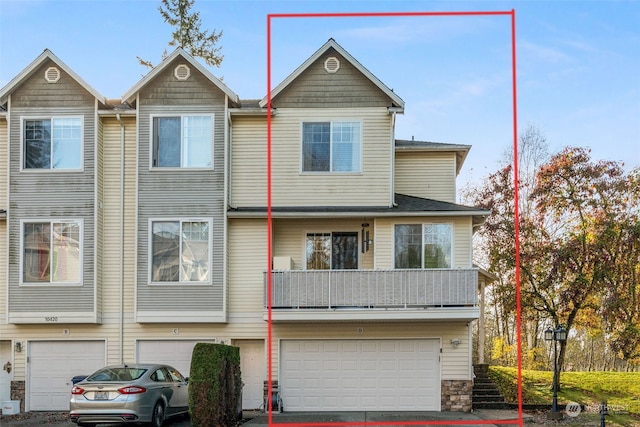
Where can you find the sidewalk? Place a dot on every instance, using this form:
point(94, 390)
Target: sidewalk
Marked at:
point(387, 417)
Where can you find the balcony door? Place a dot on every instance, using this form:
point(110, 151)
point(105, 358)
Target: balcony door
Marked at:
point(332, 251)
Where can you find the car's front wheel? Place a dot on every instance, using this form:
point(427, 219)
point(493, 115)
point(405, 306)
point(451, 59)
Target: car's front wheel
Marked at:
point(157, 418)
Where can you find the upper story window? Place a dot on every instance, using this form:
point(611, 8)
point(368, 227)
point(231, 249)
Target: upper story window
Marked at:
point(332, 251)
point(51, 252)
point(181, 251)
point(423, 245)
point(183, 141)
point(331, 147)
point(53, 143)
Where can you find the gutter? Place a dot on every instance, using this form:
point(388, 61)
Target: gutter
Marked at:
point(353, 214)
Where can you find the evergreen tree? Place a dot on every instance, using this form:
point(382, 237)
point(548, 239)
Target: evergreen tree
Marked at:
point(188, 33)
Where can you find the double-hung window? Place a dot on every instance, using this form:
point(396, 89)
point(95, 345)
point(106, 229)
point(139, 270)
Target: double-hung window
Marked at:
point(331, 147)
point(183, 141)
point(51, 252)
point(181, 251)
point(52, 143)
point(423, 245)
point(332, 251)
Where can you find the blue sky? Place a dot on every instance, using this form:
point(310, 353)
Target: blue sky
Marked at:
point(578, 62)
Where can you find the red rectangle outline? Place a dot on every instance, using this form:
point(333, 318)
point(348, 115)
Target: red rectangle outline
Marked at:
point(268, 407)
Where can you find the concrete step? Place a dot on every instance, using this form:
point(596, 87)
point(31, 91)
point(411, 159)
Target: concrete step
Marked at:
point(485, 392)
point(487, 398)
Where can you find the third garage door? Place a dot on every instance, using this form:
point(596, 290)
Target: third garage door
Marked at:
point(328, 375)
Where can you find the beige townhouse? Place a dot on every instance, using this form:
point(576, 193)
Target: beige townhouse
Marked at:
point(134, 228)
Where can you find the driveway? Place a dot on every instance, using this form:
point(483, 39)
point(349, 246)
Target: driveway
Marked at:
point(258, 419)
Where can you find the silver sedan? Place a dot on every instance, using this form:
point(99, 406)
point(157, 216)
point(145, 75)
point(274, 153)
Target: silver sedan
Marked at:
point(136, 393)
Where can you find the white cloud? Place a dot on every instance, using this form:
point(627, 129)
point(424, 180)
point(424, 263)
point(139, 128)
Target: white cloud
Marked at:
point(543, 53)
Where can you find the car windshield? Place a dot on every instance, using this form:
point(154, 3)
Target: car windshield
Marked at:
point(117, 374)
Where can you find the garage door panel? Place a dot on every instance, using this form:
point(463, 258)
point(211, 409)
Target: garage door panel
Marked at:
point(360, 375)
point(52, 364)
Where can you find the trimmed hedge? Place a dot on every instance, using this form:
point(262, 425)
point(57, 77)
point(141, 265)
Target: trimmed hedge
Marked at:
point(215, 385)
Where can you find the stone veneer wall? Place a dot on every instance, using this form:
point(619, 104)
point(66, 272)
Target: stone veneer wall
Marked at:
point(17, 392)
point(456, 395)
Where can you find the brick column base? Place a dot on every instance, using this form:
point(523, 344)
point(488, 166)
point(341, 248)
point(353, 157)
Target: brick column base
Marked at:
point(456, 395)
point(17, 392)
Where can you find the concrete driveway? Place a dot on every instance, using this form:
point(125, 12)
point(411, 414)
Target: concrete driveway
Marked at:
point(259, 419)
point(387, 418)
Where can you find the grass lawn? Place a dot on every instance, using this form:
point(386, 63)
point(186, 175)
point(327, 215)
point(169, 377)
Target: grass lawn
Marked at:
point(621, 390)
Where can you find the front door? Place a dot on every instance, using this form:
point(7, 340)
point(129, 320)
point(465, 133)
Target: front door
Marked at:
point(6, 375)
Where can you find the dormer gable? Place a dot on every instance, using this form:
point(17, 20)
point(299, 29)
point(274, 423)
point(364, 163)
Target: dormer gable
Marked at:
point(182, 68)
point(45, 79)
point(332, 78)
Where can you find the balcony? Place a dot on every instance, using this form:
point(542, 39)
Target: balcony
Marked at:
point(343, 295)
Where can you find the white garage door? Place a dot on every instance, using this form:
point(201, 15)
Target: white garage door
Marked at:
point(328, 375)
point(52, 364)
point(176, 353)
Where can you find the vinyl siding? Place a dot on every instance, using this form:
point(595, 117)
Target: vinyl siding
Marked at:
point(454, 361)
point(113, 220)
point(290, 187)
point(384, 245)
point(180, 194)
point(315, 87)
point(46, 195)
point(289, 237)
point(4, 204)
point(247, 264)
point(426, 174)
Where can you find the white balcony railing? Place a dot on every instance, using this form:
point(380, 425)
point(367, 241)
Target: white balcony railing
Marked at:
point(331, 289)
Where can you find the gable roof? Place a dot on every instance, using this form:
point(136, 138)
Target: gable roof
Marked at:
point(331, 43)
point(131, 93)
point(31, 68)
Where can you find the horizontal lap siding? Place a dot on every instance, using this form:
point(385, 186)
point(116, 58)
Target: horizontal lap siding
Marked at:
point(183, 193)
point(290, 187)
point(44, 195)
point(426, 174)
point(289, 237)
point(384, 232)
point(247, 262)
point(112, 267)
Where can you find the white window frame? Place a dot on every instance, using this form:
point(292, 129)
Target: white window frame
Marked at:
point(23, 121)
point(331, 122)
point(180, 220)
point(51, 222)
point(422, 225)
point(330, 232)
point(152, 145)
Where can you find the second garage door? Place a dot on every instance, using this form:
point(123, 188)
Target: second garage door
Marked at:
point(354, 375)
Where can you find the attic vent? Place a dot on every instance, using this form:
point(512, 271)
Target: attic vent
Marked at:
point(182, 72)
point(332, 64)
point(52, 75)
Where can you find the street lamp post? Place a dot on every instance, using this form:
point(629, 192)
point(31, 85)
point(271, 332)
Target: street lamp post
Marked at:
point(559, 334)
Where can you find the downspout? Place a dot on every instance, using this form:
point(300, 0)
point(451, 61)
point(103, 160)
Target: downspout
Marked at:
point(121, 316)
point(225, 197)
point(393, 159)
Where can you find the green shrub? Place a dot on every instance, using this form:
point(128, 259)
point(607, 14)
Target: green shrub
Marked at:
point(215, 385)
